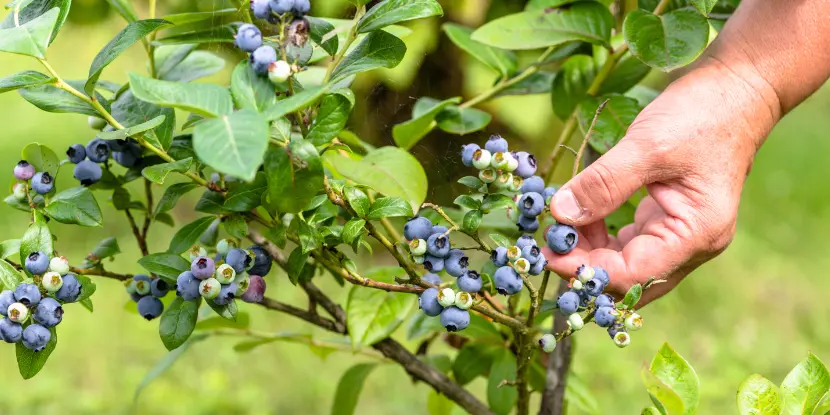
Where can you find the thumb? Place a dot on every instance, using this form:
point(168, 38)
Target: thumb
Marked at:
point(602, 187)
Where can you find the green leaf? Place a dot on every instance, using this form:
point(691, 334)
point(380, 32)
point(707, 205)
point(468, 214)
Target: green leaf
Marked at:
point(669, 41)
point(295, 174)
point(52, 99)
point(30, 38)
point(319, 32)
point(467, 201)
point(233, 144)
point(804, 386)
point(472, 220)
point(502, 61)
point(131, 111)
point(704, 6)
point(372, 315)
point(30, 362)
point(331, 118)
point(9, 247)
point(244, 196)
point(296, 262)
point(31, 10)
point(500, 240)
point(676, 373)
point(758, 396)
point(613, 121)
point(236, 226)
point(391, 171)
point(662, 393)
point(309, 237)
point(462, 121)
point(227, 311)
point(571, 83)
point(171, 196)
point(132, 131)
point(473, 360)
point(75, 206)
point(134, 32)
point(178, 322)
point(108, 247)
point(251, 91)
point(390, 12)
point(168, 57)
point(183, 18)
point(502, 399)
point(22, 79)
point(36, 239)
point(496, 201)
point(42, 157)
point(352, 230)
point(389, 207)
point(157, 173)
point(632, 297)
point(823, 408)
point(295, 102)
point(215, 34)
point(538, 83)
point(211, 202)
point(471, 182)
point(198, 64)
point(357, 200)
point(585, 21)
point(378, 50)
point(243, 321)
point(349, 388)
point(408, 134)
point(187, 236)
point(165, 265)
point(204, 99)
point(87, 287)
point(166, 362)
point(9, 276)
point(579, 394)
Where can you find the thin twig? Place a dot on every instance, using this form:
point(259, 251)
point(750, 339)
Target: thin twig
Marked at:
point(142, 244)
point(587, 138)
point(148, 192)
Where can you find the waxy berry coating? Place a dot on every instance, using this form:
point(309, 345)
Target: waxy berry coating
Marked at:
point(455, 319)
point(532, 254)
point(27, 294)
point(256, 290)
point(526, 165)
point(87, 172)
point(202, 268)
point(48, 312)
point(531, 204)
point(561, 239)
point(10, 331)
point(262, 58)
point(238, 259)
point(150, 307)
point(467, 154)
point(37, 263)
point(456, 263)
point(43, 183)
point(526, 224)
point(533, 184)
point(187, 286)
point(417, 228)
point(433, 263)
point(470, 282)
point(159, 287)
point(526, 240)
point(496, 144)
point(499, 256)
point(35, 337)
point(538, 267)
point(6, 299)
point(71, 289)
point(23, 170)
point(281, 6)
point(261, 9)
point(76, 153)
point(568, 302)
point(431, 278)
point(604, 300)
point(605, 316)
point(98, 150)
point(507, 281)
point(248, 38)
point(428, 302)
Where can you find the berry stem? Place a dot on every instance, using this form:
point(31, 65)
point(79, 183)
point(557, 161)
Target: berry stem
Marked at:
point(148, 192)
point(482, 245)
point(350, 38)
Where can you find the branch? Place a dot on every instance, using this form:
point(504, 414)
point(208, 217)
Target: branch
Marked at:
point(454, 226)
point(148, 192)
point(587, 138)
point(142, 244)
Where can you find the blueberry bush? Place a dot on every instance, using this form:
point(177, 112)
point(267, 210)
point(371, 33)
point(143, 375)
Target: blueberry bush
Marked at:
point(284, 182)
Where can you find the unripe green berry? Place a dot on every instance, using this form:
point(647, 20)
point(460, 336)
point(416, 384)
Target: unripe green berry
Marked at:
point(224, 246)
point(209, 288)
point(243, 281)
point(634, 322)
point(512, 163)
point(585, 274)
point(487, 175)
point(576, 322)
point(19, 191)
point(504, 180)
point(548, 343)
point(130, 286)
point(516, 185)
point(499, 161)
point(622, 339)
point(96, 123)
point(142, 287)
point(418, 247)
point(196, 251)
point(18, 312)
point(514, 253)
point(225, 274)
point(418, 259)
point(521, 265)
point(481, 159)
point(59, 264)
point(576, 284)
point(446, 297)
point(279, 72)
point(463, 300)
point(52, 281)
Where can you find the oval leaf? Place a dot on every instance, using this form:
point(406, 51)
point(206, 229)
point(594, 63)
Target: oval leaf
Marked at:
point(30, 38)
point(233, 144)
point(662, 393)
point(613, 121)
point(204, 99)
point(378, 50)
point(502, 61)
point(758, 396)
point(178, 322)
point(36, 239)
point(251, 91)
point(349, 388)
point(331, 118)
point(42, 157)
point(165, 265)
point(804, 386)
point(389, 207)
point(372, 315)
point(461, 121)
point(22, 79)
point(570, 85)
point(295, 174)
point(669, 41)
point(407, 134)
point(390, 12)
point(678, 375)
point(75, 206)
point(502, 399)
point(187, 236)
point(30, 362)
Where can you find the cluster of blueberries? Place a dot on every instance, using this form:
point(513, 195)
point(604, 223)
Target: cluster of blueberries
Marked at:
point(88, 159)
point(263, 57)
point(42, 182)
point(524, 258)
point(41, 300)
point(232, 273)
point(147, 293)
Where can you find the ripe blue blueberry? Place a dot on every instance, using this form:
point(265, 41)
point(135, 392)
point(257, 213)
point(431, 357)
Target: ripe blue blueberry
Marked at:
point(433, 264)
point(470, 282)
point(605, 316)
point(467, 151)
point(281, 6)
point(226, 294)
point(532, 254)
point(43, 183)
point(35, 337)
point(548, 193)
point(262, 261)
point(159, 287)
point(531, 204)
point(135, 297)
point(456, 263)
point(27, 294)
point(568, 302)
point(526, 240)
point(301, 7)
point(438, 245)
point(187, 286)
point(238, 259)
point(439, 229)
point(538, 267)
point(76, 153)
point(23, 170)
point(262, 58)
point(417, 228)
point(507, 281)
point(10, 331)
point(87, 172)
point(526, 224)
point(248, 38)
point(48, 313)
point(129, 154)
point(499, 256)
point(533, 184)
point(98, 150)
point(602, 275)
point(547, 343)
point(37, 263)
point(584, 298)
point(256, 290)
point(6, 299)
point(71, 289)
point(496, 144)
point(202, 268)
point(561, 239)
point(261, 9)
point(527, 165)
point(455, 319)
point(594, 287)
point(150, 307)
point(431, 278)
point(604, 300)
point(428, 302)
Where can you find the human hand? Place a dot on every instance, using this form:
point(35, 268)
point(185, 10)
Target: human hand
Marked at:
point(692, 149)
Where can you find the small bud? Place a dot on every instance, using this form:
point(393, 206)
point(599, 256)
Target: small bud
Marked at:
point(446, 297)
point(418, 247)
point(225, 274)
point(504, 180)
point(52, 281)
point(197, 251)
point(209, 288)
point(622, 339)
point(279, 72)
point(634, 322)
point(521, 265)
point(499, 161)
point(463, 300)
point(585, 273)
point(418, 259)
point(487, 175)
point(548, 343)
point(19, 191)
point(576, 284)
point(481, 160)
point(18, 312)
point(514, 253)
point(576, 322)
point(96, 123)
point(59, 264)
point(142, 287)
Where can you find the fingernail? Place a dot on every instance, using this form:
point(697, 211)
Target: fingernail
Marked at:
point(566, 205)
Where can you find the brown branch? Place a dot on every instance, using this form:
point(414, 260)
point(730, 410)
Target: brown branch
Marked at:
point(578, 157)
point(100, 272)
point(310, 317)
point(142, 244)
point(148, 191)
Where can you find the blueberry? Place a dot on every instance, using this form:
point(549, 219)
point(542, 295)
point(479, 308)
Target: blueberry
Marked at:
point(547, 343)
point(209, 288)
point(507, 281)
point(88, 173)
point(527, 165)
point(18, 312)
point(98, 150)
point(584, 273)
point(500, 160)
point(594, 287)
point(28, 294)
point(129, 155)
point(226, 294)
point(533, 184)
point(463, 300)
point(59, 264)
point(561, 239)
point(150, 307)
point(196, 251)
point(482, 159)
point(526, 224)
point(417, 228)
point(96, 123)
point(6, 299)
point(418, 247)
point(634, 322)
point(301, 7)
point(202, 268)
point(526, 240)
point(281, 6)
point(10, 331)
point(446, 297)
point(159, 287)
point(499, 256)
point(538, 267)
point(470, 282)
point(604, 300)
point(531, 204)
point(467, 151)
point(187, 286)
point(76, 153)
point(532, 254)
point(248, 38)
point(43, 183)
point(514, 253)
point(19, 191)
point(605, 316)
point(615, 328)
point(433, 264)
point(35, 337)
point(261, 9)
point(428, 302)
point(71, 289)
point(438, 245)
point(584, 299)
point(142, 284)
point(225, 274)
point(576, 322)
point(602, 275)
point(548, 193)
point(439, 229)
point(455, 319)
point(568, 302)
point(431, 278)
point(504, 181)
point(23, 170)
point(256, 290)
point(49, 312)
point(262, 58)
point(487, 175)
point(456, 263)
point(51, 281)
point(37, 263)
point(238, 259)
point(622, 339)
point(135, 297)
point(496, 144)
point(262, 261)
